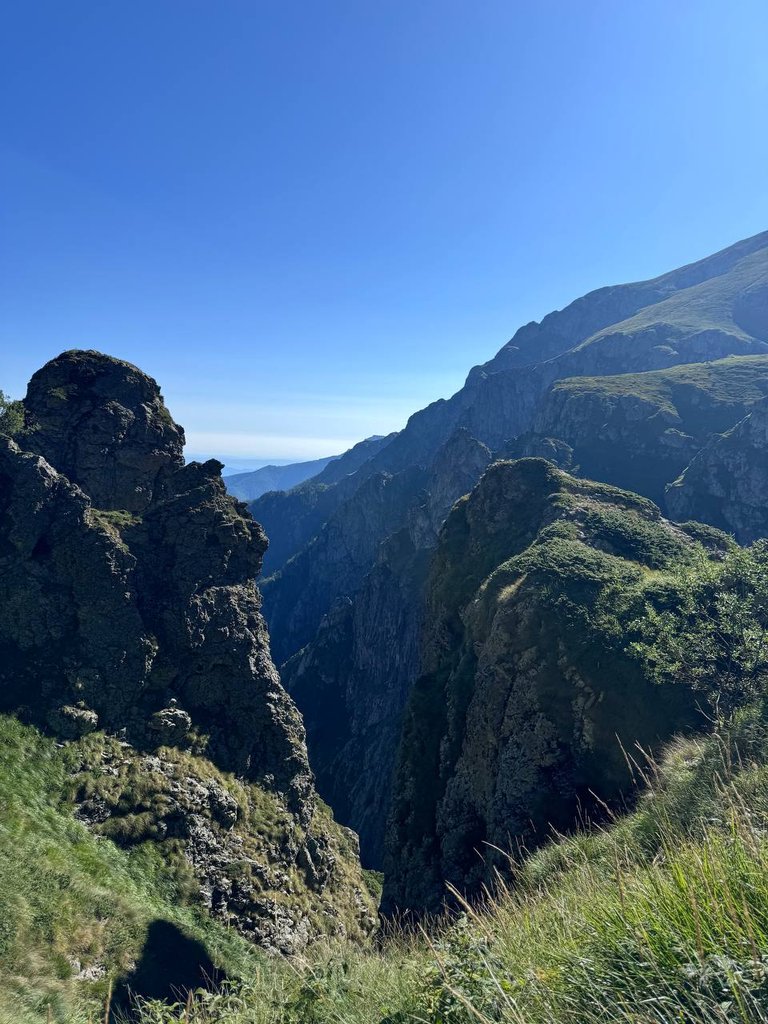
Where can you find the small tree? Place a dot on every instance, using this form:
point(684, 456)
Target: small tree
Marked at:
point(709, 630)
point(11, 415)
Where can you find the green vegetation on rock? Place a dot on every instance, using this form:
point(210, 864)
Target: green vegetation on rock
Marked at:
point(11, 415)
point(640, 430)
point(658, 916)
point(550, 603)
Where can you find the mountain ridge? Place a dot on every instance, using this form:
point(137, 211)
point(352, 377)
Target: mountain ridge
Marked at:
point(326, 549)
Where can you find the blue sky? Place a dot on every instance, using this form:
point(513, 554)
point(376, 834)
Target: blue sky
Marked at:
point(309, 219)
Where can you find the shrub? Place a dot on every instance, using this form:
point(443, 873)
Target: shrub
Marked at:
point(11, 415)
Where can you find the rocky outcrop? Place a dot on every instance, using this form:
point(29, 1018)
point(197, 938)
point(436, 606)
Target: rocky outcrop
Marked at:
point(104, 426)
point(726, 484)
point(252, 864)
point(129, 607)
point(530, 693)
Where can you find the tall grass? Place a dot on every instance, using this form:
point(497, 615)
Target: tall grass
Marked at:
point(659, 917)
point(71, 903)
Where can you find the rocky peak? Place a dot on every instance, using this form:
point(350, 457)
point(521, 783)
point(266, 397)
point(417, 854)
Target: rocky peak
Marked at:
point(130, 623)
point(103, 424)
point(511, 729)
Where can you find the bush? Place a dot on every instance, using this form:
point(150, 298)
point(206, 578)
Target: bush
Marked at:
point(11, 415)
point(707, 627)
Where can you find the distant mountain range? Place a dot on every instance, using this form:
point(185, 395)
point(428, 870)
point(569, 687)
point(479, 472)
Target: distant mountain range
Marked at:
point(251, 485)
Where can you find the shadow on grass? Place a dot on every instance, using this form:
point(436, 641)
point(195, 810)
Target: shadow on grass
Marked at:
point(171, 965)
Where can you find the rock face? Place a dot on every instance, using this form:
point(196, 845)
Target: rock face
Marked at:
point(726, 484)
point(128, 605)
point(105, 427)
point(332, 543)
point(640, 430)
point(529, 696)
point(352, 681)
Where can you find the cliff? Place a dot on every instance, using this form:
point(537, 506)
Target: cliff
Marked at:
point(640, 430)
point(351, 683)
point(530, 695)
point(726, 484)
point(130, 624)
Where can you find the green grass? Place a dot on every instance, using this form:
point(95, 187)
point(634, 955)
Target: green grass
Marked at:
point(704, 397)
point(659, 917)
point(68, 897)
point(640, 430)
point(709, 305)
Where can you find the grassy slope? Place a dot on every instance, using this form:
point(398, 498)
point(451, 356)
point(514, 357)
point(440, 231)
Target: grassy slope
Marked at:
point(691, 391)
point(67, 895)
point(705, 306)
point(639, 430)
point(660, 917)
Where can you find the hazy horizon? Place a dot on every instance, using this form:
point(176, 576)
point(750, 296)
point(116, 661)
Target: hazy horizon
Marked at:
point(309, 222)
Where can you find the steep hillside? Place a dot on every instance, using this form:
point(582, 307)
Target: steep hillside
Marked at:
point(531, 694)
point(640, 430)
point(727, 482)
point(661, 915)
point(292, 518)
point(329, 541)
point(590, 316)
point(130, 626)
point(352, 681)
point(100, 848)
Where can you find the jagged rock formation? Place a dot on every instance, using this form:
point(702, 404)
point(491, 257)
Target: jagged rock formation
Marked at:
point(530, 694)
point(726, 484)
point(327, 539)
point(105, 427)
point(128, 605)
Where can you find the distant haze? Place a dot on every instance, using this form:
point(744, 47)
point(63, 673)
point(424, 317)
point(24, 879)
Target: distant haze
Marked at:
point(308, 220)
point(234, 464)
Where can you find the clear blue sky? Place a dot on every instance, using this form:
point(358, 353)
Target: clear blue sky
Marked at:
point(308, 219)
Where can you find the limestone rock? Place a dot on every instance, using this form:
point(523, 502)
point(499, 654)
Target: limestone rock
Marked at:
point(527, 701)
